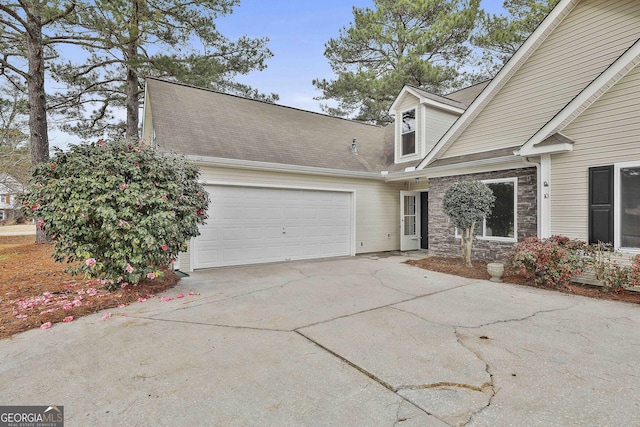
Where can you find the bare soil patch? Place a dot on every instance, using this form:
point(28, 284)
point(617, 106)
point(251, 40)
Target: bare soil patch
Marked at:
point(35, 290)
point(455, 267)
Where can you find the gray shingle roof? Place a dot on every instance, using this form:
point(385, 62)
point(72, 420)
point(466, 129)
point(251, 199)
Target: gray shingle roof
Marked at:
point(202, 122)
point(438, 98)
point(467, 95)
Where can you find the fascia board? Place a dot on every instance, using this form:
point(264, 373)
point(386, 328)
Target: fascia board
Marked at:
point(423, 100)
point(400, 95)
point(278, 167)
point(498, 163)
point(441, 106)
point(547, 149)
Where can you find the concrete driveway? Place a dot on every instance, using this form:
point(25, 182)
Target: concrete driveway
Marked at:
point(363, 341)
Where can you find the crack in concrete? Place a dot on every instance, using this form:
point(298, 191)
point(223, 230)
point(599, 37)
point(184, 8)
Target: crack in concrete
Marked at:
point(518, 319)
point(369, 375)
point(442, 384)
point(244, 294)
point(374, 275)
point(486, 388)
point(490, 387)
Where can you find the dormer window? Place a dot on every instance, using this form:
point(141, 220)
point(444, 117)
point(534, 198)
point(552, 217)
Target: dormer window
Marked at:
point(409, 132)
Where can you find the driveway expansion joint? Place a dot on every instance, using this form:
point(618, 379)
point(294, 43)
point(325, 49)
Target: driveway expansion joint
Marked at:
point(217, 325)
point(368, 310)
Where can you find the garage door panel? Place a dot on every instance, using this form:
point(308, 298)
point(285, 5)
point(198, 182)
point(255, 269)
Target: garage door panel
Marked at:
point(253, 225)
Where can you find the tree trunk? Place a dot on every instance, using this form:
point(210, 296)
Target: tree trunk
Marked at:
point(132, 76)
point(39, 137)
point(132, 95)
point(467, 242)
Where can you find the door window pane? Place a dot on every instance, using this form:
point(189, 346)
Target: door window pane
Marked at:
point(630, 207)
point(409, 215)
point(501, 221)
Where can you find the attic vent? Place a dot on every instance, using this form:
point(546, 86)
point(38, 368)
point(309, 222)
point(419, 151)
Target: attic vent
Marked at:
point(354, 148)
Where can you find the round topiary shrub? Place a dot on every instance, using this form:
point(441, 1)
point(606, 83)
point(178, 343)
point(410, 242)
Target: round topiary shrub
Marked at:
point(117, 211)
point(467, 203)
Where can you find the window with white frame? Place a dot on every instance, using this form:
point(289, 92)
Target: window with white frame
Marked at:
point(502, 223)
point(408, 132)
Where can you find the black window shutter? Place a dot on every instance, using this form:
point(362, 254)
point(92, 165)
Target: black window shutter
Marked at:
point(601, 204)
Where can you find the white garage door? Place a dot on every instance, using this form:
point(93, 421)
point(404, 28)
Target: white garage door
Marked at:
point(249, 225)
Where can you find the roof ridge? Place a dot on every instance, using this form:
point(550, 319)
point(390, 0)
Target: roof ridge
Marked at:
point(435, 94)
point(260, 101)
point(468, 87)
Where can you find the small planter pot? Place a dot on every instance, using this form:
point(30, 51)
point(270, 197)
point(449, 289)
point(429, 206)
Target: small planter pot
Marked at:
point(495, 270)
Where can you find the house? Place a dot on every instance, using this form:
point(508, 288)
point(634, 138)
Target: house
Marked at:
point(556, 135)
point(10, 188)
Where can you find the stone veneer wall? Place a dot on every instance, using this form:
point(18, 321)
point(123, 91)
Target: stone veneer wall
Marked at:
point(441, 231)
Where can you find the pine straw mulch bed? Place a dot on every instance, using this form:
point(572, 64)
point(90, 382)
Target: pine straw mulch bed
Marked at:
point(35, 290)
point(455, 267)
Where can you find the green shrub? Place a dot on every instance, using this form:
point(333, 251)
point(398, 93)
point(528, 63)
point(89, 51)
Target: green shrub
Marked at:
point(119, 211)
point(549, 262)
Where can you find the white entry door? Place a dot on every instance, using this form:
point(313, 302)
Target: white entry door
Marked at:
point(409, 220)
point(250, 225)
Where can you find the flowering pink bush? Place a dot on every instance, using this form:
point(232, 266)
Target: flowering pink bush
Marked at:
point(634, 274)
point(117, 211)
point(551, 262)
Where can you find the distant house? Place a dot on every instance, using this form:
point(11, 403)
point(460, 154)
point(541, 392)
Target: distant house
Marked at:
point(556, 135)
point(10, 188)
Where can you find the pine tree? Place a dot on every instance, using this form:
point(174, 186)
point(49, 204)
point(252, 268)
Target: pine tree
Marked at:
point(422, 43)
point(123, 41)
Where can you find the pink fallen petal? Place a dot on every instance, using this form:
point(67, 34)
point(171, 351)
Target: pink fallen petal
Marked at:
point(191, 294)
point(180, 296)
point(21, 316)
point(46, 325)
point(142, 299)
point(121, 306)
point(106, 316)
point(68, 319)
point(165, 299)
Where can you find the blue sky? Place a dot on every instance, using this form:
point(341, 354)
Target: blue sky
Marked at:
point(297, 31)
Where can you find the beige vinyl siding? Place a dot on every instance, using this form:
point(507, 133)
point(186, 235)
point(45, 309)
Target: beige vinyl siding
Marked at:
point(408, 102)
point(438, 122)
point(583, 46)
point(147, 120)
point(377, 204)
point(608, 132)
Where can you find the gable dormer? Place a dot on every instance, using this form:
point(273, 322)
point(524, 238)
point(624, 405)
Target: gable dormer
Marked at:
point(421, 118)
